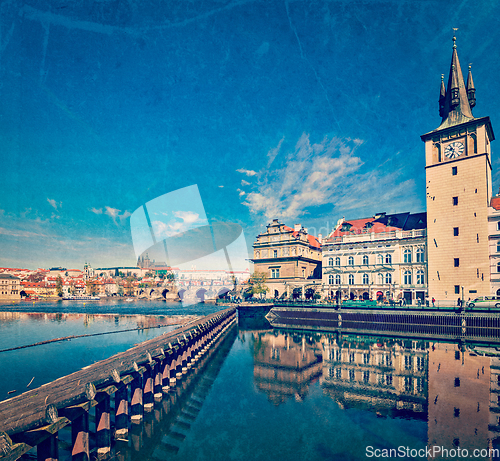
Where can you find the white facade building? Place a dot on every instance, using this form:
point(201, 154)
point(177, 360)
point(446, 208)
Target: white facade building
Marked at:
point(494, 244)
point(379, 258)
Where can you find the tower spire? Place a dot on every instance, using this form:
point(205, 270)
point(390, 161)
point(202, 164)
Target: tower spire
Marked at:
point(471, 91)
point(454, 105)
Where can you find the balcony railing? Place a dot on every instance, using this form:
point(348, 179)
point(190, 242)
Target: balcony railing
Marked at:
point(364, 235)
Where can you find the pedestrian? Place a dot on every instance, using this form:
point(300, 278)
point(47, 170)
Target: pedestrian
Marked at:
point(433, 302)
point(459, 302)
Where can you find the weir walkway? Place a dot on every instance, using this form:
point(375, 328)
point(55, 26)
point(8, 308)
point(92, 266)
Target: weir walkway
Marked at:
point(135, 380)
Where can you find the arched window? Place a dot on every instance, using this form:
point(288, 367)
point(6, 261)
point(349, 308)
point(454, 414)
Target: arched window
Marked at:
point(388, 259)
point(474, 142)
point(420, 255)
point(330, 261)
point(351, 261)
point(420, 277)
point(365, 279)
point(337, 261)
point(337, 279)
point(407, 255)
point(330, 279)
point(365, 259)
point(351, 279)
point(380, 259)
point(381, 279)
point(388, 277)
point(407, 277)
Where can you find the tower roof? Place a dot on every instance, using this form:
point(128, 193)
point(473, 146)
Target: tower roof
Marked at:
point(455, 104)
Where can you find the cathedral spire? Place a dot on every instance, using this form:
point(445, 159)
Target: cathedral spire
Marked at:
point(456, 101)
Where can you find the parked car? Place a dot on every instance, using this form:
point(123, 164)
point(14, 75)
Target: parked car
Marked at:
point(485, 301)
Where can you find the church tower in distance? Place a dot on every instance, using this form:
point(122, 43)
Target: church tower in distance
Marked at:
point(458, 190)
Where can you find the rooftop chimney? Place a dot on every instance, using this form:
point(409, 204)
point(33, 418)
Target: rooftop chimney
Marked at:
point(297, 227)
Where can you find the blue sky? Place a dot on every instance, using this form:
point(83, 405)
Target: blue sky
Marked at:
point(306, 111)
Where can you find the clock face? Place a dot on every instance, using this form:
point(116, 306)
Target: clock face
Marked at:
point(454, 149)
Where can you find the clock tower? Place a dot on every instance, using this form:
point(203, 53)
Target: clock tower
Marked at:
point(458, 191)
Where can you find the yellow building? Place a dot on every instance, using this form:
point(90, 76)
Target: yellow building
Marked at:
point(458, 190)
point(290, 259)
point(9, 287)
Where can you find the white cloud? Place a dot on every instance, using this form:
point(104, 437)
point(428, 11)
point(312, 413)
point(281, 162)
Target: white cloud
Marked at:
point(19, 233)
point(182, 222)
point(247, 172)
point(221, 186)
point(241, 192)
point(54, 204)
point(244, 183)
point(271, 155)
point(188, 217)
point(113, 213)
point(325, 173)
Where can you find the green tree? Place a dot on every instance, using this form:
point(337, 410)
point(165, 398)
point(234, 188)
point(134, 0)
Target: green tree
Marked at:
point(257, 284)
point(129, 287)
point(59, 286)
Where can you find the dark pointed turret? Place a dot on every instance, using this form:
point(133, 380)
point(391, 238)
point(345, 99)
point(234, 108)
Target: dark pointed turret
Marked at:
point(471, 91)
point(454, 106)
point(442, 97)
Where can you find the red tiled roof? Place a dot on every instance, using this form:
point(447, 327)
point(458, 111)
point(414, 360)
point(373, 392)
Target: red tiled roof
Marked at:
point(313, 241)
point(360, 225)
point(495, 203)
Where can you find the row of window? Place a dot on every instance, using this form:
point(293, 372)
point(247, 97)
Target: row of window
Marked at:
point(381, 259)
point(411, 384)
point(407, 278)
point(385, 360)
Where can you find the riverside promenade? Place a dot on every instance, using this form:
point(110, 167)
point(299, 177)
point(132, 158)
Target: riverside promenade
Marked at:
point(134, 380)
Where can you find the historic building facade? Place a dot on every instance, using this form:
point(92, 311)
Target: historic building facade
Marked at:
point(494, 245)
point(383, 257)
point(10, 287)
point(458, 189)
point(290, 259)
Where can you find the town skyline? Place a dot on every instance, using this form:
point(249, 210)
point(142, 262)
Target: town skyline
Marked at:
point(304, 113)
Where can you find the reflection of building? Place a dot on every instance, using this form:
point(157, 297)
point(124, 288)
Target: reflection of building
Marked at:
point(290, 259)
point(385, 377)
point(458, 189)
point(382, 256)
point(285, 365)
point(494, 421)
point(459, 398)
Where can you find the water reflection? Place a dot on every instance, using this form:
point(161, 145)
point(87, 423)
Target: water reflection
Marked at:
point(455, 388)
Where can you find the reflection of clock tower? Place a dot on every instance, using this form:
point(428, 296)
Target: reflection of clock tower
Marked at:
point(458, 189)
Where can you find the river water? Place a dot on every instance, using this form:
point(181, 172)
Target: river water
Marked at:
point(265, 394)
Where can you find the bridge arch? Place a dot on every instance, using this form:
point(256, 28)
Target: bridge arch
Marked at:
point(201, 294)
point(222, 293)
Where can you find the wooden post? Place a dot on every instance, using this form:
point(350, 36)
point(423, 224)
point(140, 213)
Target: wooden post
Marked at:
point(103, 427)
point(165, 378)
point(148, 389)
point(48, 449)
point(157, 386)
point(121, 412)
point(136, 406)
point(80, 438)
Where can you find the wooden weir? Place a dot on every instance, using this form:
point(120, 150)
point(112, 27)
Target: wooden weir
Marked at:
point(135, 379)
